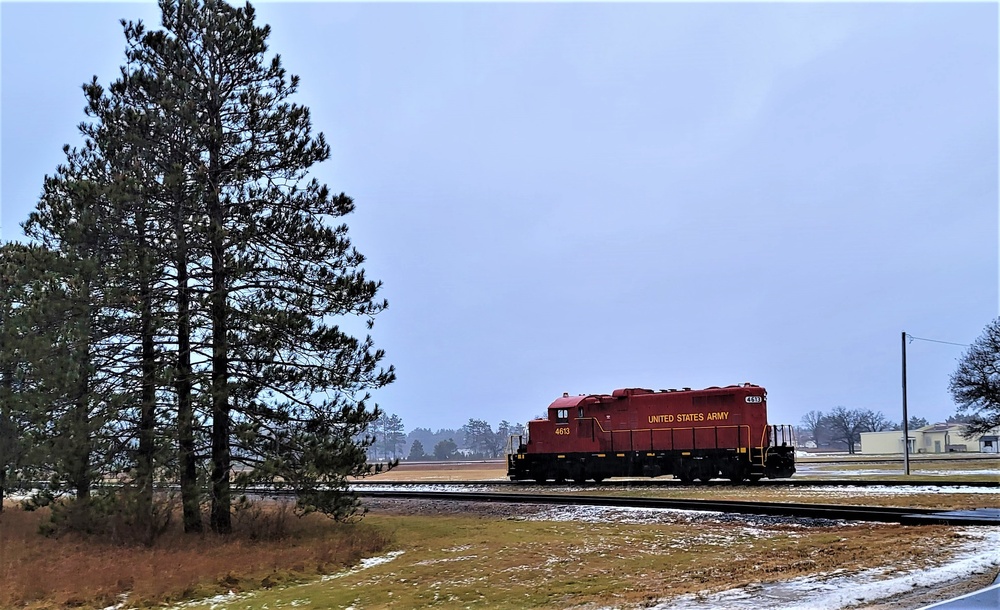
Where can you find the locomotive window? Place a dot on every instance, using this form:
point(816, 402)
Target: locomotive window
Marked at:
point(562, 416)
point(579, 412)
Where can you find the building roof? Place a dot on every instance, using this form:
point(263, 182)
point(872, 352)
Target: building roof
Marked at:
point(943, 427)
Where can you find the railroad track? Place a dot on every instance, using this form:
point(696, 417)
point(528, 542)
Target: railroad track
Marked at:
point(906, 516)
point(718, 483)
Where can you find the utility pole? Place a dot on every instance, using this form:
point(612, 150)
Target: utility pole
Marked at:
point(906, 419)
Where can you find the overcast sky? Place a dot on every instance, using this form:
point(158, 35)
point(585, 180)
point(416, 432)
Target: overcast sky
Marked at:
point(583, 197)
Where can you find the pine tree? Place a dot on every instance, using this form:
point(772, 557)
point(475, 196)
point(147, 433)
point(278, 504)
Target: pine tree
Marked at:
point(159, 126)
point(193, 244)
point(389, 436)
point(288, 388)
point(71, 220)
point(417, 452)
point(25, 355)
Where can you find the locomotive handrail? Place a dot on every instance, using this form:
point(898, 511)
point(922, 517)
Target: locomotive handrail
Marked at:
point(770, 443)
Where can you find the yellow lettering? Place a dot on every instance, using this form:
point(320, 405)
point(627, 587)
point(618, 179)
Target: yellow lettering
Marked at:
point(689, 417)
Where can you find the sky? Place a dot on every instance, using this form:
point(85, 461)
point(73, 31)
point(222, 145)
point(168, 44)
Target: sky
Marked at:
point(579, 197)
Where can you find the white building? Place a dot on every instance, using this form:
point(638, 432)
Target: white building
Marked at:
point(935, 438)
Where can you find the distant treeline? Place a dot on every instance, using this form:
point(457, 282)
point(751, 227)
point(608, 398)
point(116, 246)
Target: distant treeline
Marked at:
point(840, 429)
point(477, 439)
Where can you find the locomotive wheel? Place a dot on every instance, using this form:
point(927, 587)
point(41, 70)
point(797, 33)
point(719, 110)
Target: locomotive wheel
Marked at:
point(756, 477)
point(707, 472)
point(598, 479)
point(736, 473)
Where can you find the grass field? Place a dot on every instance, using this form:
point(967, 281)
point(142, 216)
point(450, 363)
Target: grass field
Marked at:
point(439, 555)
point(453, 561)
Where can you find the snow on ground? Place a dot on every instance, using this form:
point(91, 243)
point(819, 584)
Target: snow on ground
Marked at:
point(227, 599)
point(613, 514)
point(21, 496)
point(838, 590)
point(366, 563)
point(829, 490)
point(830, 591)
point(804, 471)
point(892, 490)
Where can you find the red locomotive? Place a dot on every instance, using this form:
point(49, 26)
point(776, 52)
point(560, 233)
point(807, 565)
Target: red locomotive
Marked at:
point(691, 434)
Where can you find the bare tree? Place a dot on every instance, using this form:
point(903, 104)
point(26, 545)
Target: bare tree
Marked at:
point(845, 425)
point(812, 422)
point(875, 421)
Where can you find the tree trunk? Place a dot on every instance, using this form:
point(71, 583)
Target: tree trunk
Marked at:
point(147, 394)
point(221, 520)
point(7, 432)
point(79, 459)
point(190, 495)
point(147, 415)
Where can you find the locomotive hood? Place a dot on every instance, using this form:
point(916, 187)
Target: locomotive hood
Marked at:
point(567, 401)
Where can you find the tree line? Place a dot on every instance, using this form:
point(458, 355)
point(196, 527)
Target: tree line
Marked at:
point(187, 307)
point(842, 427)
point(477, 438)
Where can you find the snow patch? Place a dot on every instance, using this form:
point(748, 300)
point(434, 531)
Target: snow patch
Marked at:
point(369, 562)
point(217, 601)
point(838, 590)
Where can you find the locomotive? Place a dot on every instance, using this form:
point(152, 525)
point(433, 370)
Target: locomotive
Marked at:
point(718, 432)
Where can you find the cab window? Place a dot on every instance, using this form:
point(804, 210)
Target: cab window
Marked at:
point(562, 416)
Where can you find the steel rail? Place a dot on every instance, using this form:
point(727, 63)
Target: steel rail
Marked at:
point(907, 516)
point(857, 458)
point(717, 483)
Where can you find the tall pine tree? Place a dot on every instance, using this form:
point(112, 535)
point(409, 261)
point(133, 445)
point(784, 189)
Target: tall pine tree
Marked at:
point(206, 278)
point(287, 387)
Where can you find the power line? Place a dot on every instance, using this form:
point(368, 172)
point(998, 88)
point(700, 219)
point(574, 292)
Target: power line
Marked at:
point(912, 338)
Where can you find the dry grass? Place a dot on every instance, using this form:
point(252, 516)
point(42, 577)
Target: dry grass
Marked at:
point(456, 560)
point(73, 571)
point(462, 561)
